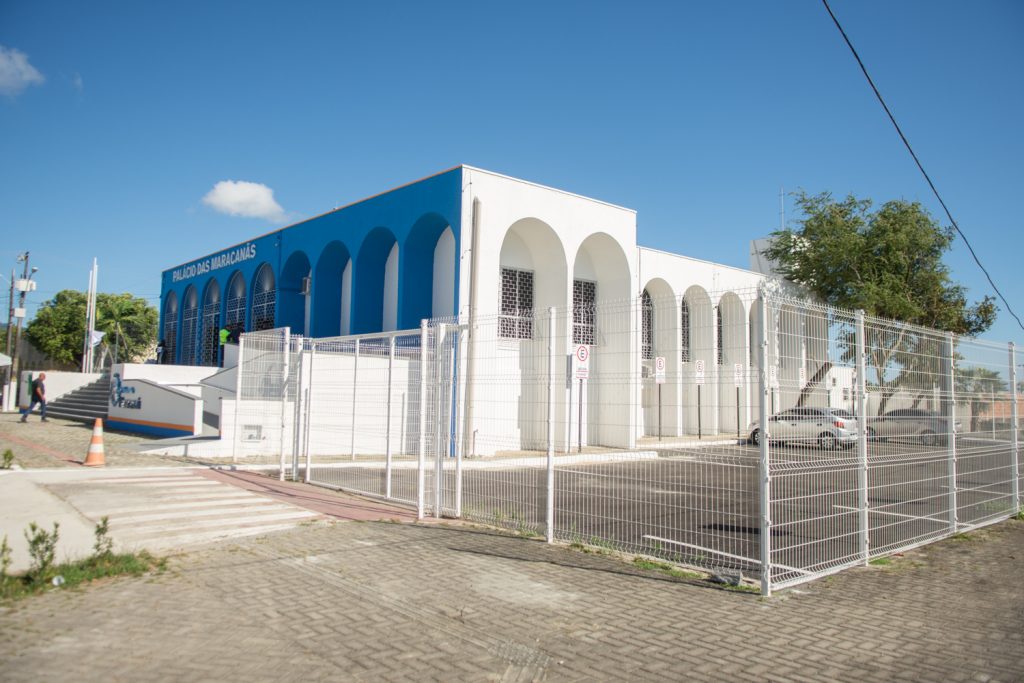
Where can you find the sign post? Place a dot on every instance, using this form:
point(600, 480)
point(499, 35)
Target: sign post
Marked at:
point(659, 379)
point(581, 367)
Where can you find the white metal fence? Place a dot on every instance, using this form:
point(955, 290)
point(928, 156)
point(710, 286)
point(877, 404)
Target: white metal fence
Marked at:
point(742, 431)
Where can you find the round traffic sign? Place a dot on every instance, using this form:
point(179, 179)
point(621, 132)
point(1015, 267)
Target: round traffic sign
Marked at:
point(582, 353)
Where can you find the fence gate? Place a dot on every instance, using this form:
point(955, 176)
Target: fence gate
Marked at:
point(374, 415)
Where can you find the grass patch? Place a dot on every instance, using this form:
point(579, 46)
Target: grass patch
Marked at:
point(44, 575)
point(8, 460)
point(880, 562)
point(72, 574)
point(1019, 516)
point(665, 568)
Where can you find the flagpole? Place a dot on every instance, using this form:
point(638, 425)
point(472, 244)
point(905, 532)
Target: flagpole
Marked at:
point(90, 319)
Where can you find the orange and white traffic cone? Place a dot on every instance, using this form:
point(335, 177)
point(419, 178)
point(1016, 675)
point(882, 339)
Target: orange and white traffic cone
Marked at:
point(95, 456)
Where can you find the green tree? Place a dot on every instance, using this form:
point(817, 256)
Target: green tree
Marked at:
point(58, 329)
point(887, 262)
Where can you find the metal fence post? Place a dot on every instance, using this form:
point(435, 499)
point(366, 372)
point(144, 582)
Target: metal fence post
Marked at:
point(387, 432)
point(240, 368)
point(951, 431)
point(309, 409)
point(284, 395)
point(1015, 452)
point(452, 423)
point(549, 518)
point(862, 440)
point(355, 394)
point(439, 440)
point(764, 468)
point(422, 455)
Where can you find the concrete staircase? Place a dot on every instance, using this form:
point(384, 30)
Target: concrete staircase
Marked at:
point(85, 404)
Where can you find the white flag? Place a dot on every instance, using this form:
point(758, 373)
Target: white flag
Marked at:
point(96, 336)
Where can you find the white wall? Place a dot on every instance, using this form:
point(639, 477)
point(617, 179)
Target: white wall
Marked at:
point(57, 384)
point(151, 406)
point(545, 230)
point(443, 303)
point(346, 299)
point(390, 314)
point(165, 374)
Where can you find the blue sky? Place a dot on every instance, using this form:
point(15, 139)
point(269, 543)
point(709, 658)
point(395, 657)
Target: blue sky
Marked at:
point(693, 114)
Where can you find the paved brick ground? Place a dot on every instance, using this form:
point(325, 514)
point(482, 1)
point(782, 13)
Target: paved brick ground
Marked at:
point(64, 443)
point(382, 601)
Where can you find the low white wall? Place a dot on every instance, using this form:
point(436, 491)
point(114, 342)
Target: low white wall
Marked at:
point(164, 374)
point(150, 408)
point(57, 383)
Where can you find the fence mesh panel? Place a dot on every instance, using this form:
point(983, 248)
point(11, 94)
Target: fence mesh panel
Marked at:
point(736, 431)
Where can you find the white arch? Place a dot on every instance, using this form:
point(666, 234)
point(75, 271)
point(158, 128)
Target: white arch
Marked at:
point(389, 316)
point(443, 301)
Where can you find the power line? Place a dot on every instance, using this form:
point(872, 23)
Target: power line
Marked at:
point(917, 161)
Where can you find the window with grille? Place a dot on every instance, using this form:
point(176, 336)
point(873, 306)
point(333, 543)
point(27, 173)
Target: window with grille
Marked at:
point(647, 322)
point(264, 299)
point(189, 324)
point(719, 350)
point(170, 335)
point(236, 301)
point(210, 338)
point(516, 320)
point(584, 300)
point(170, 342)
point(684, 326)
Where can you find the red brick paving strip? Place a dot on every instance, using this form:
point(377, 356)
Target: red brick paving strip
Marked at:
point(325, 501)
point(43, 449)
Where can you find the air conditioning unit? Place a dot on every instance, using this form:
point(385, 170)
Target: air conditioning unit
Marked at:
point(307, 286)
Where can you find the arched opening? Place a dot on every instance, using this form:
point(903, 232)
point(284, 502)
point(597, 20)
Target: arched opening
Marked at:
point(659, 339)
point(209, 341)
point(330, 295)
point(428, 271)
point(189, 325)
point(264, 299)
point(169, 336)
point(531, 277)
point(601, 294)
point(234, 308)
point(293, 294)
point(375, 296)
point(732, 373)
point(699, 373)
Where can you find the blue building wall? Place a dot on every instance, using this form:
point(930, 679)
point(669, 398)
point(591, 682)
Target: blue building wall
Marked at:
point(413, 216)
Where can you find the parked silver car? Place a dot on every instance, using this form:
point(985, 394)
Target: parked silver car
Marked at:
point(911, 424)
point(829, 428)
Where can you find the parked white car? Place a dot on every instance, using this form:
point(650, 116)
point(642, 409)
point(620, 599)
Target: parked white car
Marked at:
point(829, 428)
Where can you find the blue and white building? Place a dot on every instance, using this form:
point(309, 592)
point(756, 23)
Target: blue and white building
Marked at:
point(466, 240)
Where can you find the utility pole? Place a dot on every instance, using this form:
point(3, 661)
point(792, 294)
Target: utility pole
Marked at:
point(24, 285)
point(10, 315)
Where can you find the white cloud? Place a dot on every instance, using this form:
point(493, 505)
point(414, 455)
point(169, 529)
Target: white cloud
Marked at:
point(77, 83)
point(16, 73)
point(242, 198)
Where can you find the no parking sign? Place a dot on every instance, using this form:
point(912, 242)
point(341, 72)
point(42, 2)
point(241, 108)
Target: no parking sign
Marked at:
point(659, 370)
point(581, 361)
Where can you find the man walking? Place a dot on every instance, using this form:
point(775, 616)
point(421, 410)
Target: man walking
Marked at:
point(38, 396)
